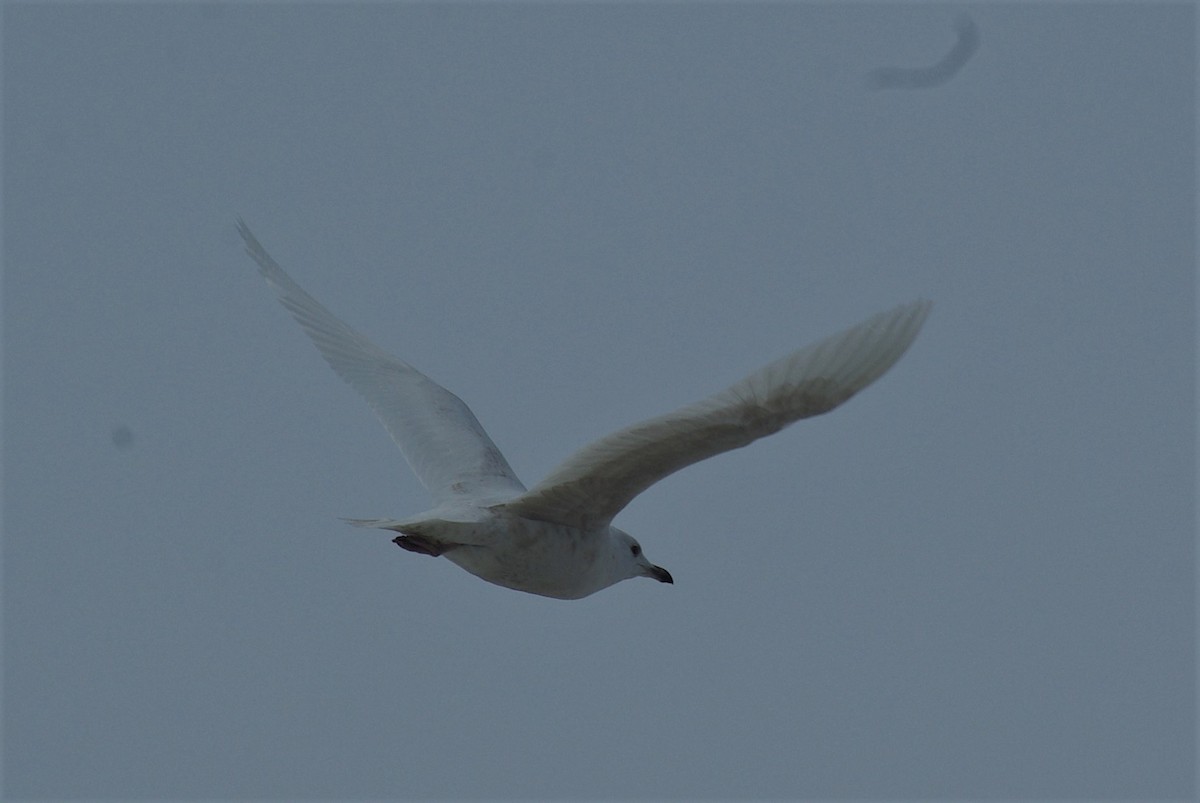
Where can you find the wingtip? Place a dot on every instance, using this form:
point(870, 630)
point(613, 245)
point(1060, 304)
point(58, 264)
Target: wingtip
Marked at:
point(248, 237)
point(267, 267)
point(242, 229)
point(911, 316)
point(921, 308)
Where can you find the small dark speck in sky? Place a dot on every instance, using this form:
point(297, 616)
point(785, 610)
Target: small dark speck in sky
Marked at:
point(122, 437)
point(938, 74)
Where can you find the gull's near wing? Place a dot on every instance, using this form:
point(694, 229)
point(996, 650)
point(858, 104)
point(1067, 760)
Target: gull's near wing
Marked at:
point(599, 480)
point(438, 434)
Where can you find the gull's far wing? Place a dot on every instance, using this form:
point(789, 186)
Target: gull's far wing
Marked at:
point(438, 434)
point(599, 480)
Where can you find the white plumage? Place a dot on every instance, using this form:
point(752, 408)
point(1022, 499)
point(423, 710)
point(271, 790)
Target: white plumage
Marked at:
point(556, 539)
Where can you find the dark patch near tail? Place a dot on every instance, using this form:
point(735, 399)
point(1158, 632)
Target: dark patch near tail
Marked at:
point(422, 545)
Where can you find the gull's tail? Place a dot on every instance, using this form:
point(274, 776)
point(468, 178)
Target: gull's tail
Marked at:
point(379, 524)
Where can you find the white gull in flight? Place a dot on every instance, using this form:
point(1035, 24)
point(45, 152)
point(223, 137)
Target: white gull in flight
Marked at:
point(557, 539)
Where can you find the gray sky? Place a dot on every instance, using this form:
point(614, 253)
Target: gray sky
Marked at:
point(975, 580)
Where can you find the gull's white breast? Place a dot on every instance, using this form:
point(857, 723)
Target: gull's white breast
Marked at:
point(539, 557)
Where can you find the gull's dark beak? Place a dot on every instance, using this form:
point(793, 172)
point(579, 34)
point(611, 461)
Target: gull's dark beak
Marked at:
point(661, 575)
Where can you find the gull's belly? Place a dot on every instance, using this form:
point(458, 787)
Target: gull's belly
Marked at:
point(533, 556)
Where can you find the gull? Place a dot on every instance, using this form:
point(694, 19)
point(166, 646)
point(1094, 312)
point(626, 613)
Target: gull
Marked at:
point(556, 539)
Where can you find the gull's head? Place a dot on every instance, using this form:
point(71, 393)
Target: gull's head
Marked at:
point(630, 560)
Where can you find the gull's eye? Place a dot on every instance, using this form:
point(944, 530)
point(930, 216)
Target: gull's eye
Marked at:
point(636, 549)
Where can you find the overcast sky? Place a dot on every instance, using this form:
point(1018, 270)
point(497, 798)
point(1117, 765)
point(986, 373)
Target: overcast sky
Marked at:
point(973, 580)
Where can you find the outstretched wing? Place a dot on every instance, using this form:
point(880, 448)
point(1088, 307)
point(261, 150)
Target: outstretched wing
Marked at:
point(438, 434)
point(599, 480)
